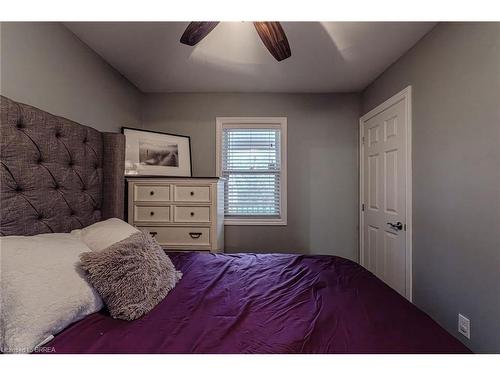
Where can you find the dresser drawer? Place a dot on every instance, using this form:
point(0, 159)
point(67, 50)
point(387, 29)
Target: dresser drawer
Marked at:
point(180, 236)
point(152, 214)
point(192, 193)
point(187, 214)
point(151, 193)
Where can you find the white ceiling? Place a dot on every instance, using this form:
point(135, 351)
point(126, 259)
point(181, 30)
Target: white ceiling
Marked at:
point(326, 56)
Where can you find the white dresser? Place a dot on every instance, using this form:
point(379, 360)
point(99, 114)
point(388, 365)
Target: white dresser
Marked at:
point(181, 213)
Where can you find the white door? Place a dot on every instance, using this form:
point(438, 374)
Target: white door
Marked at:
point(385, 184)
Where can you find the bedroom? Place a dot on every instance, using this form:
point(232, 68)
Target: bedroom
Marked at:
point(248, 157)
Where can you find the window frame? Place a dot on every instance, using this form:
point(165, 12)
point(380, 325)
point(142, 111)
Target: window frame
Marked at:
point(256, 123)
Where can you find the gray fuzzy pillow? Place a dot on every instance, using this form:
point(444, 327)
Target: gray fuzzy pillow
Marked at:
point(132, 276)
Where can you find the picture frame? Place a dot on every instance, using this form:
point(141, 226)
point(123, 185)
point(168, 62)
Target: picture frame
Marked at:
point(153, 153)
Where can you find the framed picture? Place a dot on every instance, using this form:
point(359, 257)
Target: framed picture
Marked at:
point(156, 154)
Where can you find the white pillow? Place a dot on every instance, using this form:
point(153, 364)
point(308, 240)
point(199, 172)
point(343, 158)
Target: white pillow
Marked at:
point(43, 289)
point(105, 233)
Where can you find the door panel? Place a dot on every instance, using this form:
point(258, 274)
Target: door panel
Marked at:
point(391, 181)
point(384, 189)
point(373, 186)
point(372, 247)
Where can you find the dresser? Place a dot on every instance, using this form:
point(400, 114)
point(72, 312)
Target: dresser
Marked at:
point(181, 213)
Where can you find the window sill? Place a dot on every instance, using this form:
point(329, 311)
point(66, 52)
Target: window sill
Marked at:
point(259, 221)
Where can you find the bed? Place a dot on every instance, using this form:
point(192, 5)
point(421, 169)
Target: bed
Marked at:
point(57, 175)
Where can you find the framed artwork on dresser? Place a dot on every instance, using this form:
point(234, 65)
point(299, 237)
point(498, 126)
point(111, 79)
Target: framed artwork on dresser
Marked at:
point(154, 153)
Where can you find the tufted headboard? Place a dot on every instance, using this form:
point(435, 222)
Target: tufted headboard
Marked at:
point(56, 175)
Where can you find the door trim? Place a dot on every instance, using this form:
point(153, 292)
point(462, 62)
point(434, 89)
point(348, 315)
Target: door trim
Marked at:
point(406, 96)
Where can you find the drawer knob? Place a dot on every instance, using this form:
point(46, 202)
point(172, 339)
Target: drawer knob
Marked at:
point(151, 193)
point(192, 193)
point(195, 235)
point(192, 213)
point(152, 213)
point(153, 234)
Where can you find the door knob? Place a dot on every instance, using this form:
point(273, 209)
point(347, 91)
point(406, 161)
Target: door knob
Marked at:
point(397, 226)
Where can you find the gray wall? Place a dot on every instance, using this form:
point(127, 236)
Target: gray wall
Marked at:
point(322, 163)
point(455, 74)
point(45, 65)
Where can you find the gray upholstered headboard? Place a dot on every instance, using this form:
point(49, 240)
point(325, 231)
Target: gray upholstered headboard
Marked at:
point(56, 175)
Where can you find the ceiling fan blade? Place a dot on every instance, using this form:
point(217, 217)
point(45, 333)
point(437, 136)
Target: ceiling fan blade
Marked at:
point(196, 31)
point(274, 39)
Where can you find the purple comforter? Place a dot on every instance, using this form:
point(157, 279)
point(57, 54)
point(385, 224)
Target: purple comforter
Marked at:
point(273, 303)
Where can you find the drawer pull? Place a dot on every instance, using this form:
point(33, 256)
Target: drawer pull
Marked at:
point(192, 193)
point(151, 192)
point(152, 213)
point(192, 213)
point(195, 235)
point(153, 234)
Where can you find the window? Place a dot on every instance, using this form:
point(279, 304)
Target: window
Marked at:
point(251, 156)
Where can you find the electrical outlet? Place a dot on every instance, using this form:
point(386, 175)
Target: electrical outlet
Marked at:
point(464, 325)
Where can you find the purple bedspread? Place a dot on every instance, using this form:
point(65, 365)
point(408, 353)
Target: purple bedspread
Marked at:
point(273, 303)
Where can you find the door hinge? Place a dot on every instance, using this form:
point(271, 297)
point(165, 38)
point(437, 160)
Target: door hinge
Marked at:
point(405, 227)
point(363, 140)
point(362, 207)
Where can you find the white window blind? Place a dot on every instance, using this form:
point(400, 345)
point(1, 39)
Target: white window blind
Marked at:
point(251, 163)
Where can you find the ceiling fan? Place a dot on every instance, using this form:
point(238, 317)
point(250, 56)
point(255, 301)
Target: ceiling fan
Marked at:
point(271, 33)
